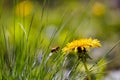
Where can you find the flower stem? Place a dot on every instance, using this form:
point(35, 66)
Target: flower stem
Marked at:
point(87, 71)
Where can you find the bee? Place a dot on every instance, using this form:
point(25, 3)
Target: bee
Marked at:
point(55, 49)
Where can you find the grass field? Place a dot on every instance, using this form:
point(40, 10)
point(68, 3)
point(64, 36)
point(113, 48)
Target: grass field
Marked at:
point(59, 40)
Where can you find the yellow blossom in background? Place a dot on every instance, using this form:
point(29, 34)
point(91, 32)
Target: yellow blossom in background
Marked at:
point(81, 43)
point(98, 9)
point(24, 8)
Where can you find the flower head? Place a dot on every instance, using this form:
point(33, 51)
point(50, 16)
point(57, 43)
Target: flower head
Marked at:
point(24, 8)
point(98, 9)
point(81, 45)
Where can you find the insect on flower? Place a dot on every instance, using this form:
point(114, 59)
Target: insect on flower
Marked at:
point(55, 49)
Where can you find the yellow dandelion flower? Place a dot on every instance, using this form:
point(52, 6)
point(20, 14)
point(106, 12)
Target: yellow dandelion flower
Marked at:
point(98, 9)
point(24, 8)
point(82, 44)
